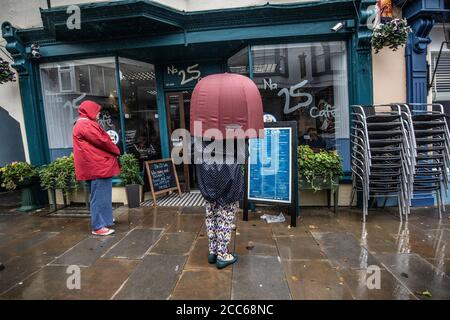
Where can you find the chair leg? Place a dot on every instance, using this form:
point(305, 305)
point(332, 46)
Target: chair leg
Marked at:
point(439, 203)
point(373, 202)
point(442, 200)
point(385, 201)
point(352, 197)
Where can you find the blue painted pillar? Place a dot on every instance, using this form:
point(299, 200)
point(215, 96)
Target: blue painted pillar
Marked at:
point(416, 61)
point(420, 15)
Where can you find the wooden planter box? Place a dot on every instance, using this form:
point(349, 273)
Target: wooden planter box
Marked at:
point(318, 183)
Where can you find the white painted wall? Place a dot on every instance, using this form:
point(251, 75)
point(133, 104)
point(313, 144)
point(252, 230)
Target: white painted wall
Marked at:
point(389, 76)
point(10, 101)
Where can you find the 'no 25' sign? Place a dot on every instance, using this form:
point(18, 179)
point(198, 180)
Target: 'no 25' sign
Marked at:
point(186, 75)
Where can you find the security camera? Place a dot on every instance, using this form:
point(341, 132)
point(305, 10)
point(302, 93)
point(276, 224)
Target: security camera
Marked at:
point(36, 54)
point(35, 51)
point(338, 27)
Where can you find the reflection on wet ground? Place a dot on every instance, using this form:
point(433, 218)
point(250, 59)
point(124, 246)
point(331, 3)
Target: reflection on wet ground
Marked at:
point(161, 253)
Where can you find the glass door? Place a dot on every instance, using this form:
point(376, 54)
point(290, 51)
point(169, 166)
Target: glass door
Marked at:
point(178, 106)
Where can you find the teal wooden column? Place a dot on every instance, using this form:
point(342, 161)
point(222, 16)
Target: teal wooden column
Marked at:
point(30, 93)
point(361, 56)
point(119, 98)
point(361, 62)
point(162, 116)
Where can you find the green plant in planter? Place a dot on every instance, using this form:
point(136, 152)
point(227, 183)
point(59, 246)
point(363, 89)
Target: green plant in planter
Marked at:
point(22, 175)
point(60, 174)
point(129, 170)
point(318, 169)
point(392, 34)
point(18, 175)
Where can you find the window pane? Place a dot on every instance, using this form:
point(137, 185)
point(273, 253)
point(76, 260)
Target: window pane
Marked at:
point(238, 63)
point(138, 85)
point(307, 83)
point(64, 86)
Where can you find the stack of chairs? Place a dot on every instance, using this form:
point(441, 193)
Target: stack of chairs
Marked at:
point(382, 155)
point(433, 153)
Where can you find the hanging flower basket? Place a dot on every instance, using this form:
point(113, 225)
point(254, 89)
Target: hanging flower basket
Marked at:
point(392, 34)
point(6, 74)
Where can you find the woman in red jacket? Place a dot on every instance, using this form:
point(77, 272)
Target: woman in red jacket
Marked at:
point(95, 157)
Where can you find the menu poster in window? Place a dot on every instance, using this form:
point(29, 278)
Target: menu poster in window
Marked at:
point(130, 137)
point(271, 175)
point(162, 177)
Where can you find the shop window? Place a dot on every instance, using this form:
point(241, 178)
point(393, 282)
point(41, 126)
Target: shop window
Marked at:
point(272, 61)
point(441, 85)
point(138, 89)
point(307, 83)
point(65, 85)
point(238, 63)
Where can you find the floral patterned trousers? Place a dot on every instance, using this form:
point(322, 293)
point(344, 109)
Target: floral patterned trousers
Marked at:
point(219, 225)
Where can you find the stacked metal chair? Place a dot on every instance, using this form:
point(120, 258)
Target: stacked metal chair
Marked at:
point(433, 153)
point(382, 155)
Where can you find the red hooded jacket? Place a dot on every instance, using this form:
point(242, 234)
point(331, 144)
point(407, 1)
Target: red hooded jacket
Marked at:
point(95, 155)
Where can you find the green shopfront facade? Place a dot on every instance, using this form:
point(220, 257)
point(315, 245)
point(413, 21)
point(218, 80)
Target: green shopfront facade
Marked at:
point(141, 60)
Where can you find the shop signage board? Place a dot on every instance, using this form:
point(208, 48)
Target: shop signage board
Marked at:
point(186, 75)
point(271, 170)
point(162, 177)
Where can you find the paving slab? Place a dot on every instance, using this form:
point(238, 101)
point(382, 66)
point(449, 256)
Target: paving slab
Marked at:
point(389, 287)
point(299, 247)
point(441, 264)
point(158, 219)
point(179, 243)
point(154, 278)
point(212, 284)
point(51, 282)
point(23, 243)
point(198, 257)
point(259, 278)
point(344, 251)
point(417, 274)
point(134, 244)
point(87, 251)
point(20, 267)
point(314, 280)
point(187, 223)
point(258, 242)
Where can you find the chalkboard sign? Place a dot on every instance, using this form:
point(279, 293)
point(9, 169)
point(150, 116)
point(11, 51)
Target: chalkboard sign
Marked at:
point(271, 169)
point(162, 177)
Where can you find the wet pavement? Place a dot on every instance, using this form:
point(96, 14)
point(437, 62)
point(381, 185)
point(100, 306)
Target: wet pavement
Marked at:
point(161, 253)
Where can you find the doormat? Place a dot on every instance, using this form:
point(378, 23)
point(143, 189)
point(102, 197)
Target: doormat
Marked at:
point(188, 199)
point(75, 210)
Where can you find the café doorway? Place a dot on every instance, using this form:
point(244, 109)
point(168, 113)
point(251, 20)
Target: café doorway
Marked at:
point(177, 110)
